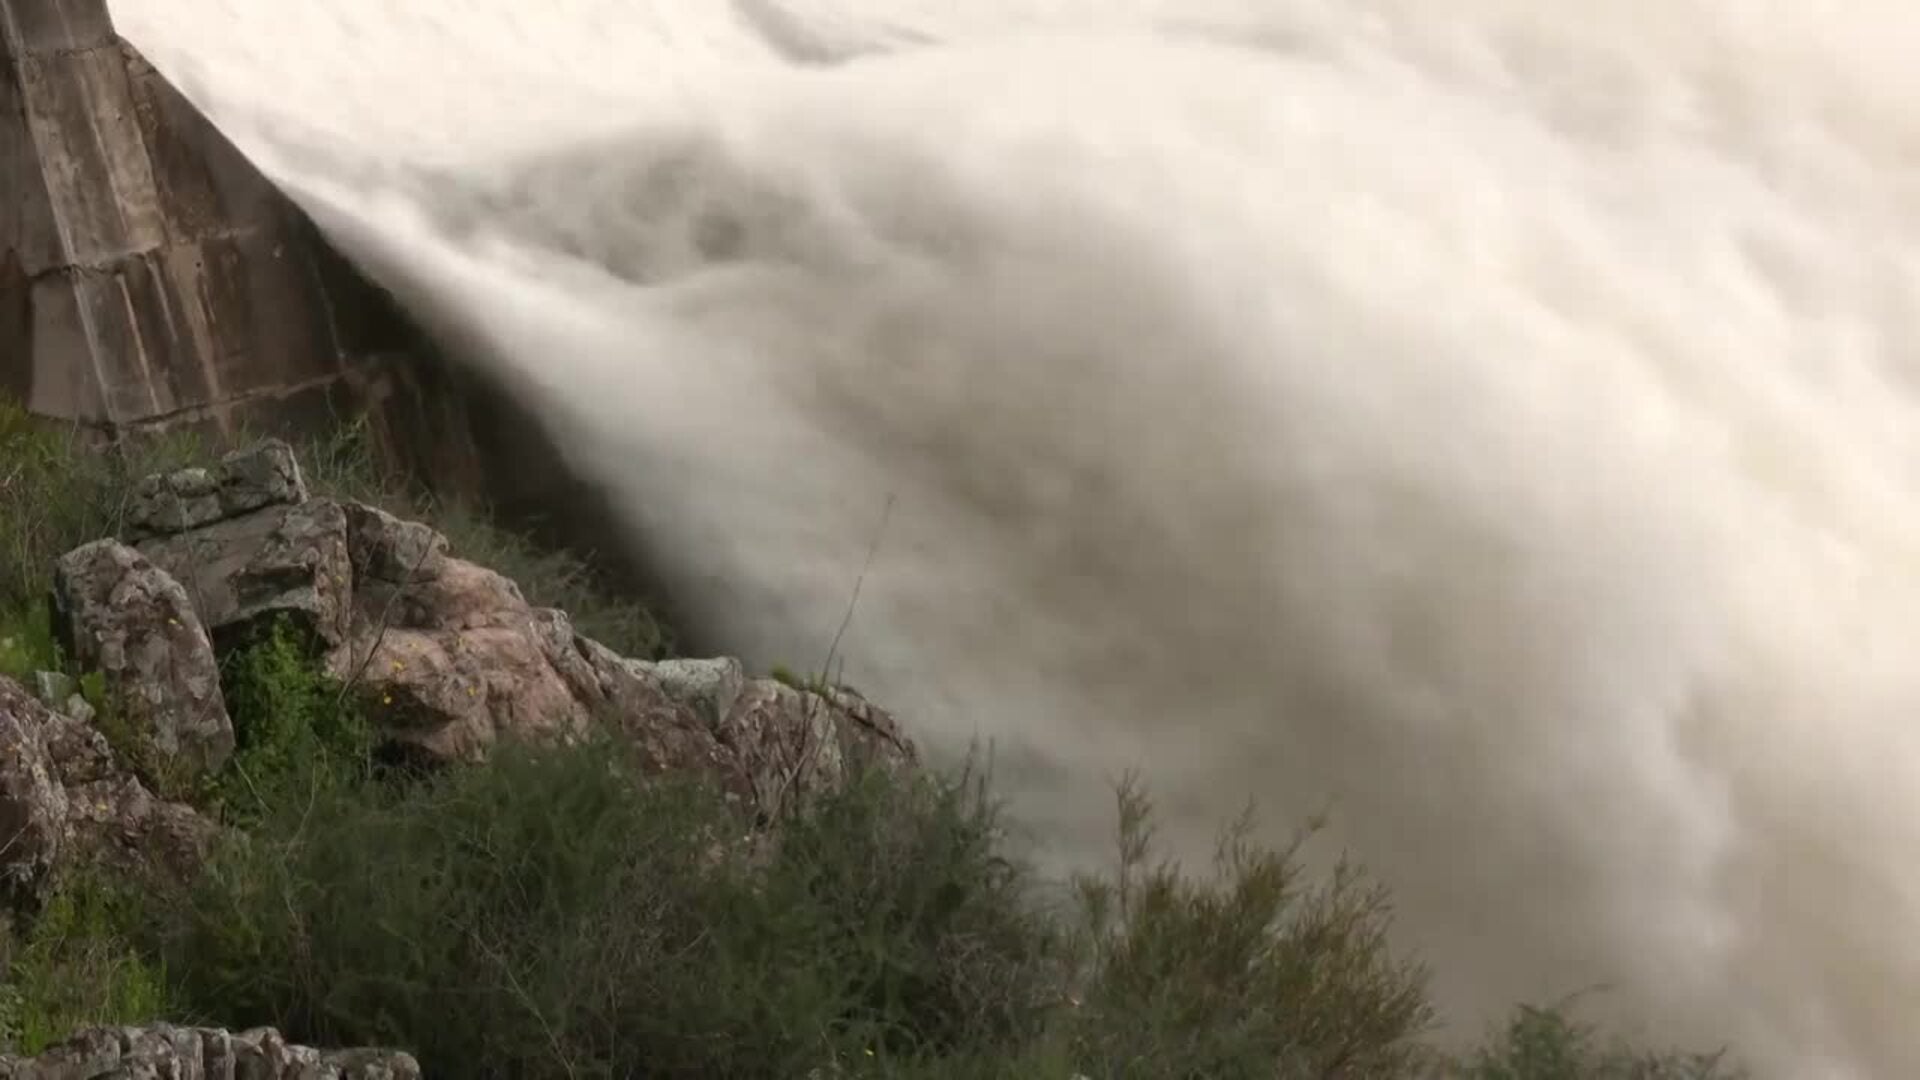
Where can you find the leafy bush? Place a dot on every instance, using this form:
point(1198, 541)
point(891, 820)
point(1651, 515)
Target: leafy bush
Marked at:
point(549, 914)
point(294, 727)
point(1253, 974)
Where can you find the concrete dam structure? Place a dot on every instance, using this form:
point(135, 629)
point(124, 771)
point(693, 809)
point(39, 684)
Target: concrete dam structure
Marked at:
point(152, 279)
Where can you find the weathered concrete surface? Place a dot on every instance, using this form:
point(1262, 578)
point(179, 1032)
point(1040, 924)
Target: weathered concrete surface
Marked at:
point(151, 277)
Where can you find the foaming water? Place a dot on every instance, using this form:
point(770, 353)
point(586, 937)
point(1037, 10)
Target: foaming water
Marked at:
point(1496, 428)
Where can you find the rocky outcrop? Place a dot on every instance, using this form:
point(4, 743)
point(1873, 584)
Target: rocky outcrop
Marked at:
point(66, 799)
point(247, 543)
point(178, 1053)
point(451, 653)
point(451, 658)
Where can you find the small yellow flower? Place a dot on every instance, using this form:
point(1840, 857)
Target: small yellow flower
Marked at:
point(386, 699)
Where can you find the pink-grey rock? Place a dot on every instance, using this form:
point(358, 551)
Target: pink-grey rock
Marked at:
point(66, 799)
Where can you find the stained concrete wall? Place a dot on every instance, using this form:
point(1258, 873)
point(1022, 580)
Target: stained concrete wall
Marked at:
point(150, 277)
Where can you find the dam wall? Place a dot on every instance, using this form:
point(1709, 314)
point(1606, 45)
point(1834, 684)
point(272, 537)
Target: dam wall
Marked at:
point(152, 279)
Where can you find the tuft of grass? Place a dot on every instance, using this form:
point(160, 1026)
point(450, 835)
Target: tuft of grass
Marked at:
point(806, 684)
point(60, 488)
point(554, 578)
point(76, 967)
point(27, 643)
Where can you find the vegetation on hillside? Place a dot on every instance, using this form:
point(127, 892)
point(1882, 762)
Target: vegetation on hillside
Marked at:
point(552, 914)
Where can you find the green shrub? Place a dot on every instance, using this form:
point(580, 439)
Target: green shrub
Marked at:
point(1548, 1044)
point(294, 726)
point(76, 967)
point(549, 915)
point(1254, 973)
point(935, 937)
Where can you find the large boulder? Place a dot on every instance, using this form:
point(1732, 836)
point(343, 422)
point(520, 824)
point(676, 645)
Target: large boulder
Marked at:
point(791, 743)
point(181, 1053)
point(66, 799)
point(244, 481)
point(119, 614)
point(450, 654)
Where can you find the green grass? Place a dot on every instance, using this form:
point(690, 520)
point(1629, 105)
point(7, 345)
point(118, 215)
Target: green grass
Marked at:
point(58, 491)
point(26, 641)
point(74, 966)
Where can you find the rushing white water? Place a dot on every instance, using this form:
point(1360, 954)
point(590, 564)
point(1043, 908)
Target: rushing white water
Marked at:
point(1497, 424)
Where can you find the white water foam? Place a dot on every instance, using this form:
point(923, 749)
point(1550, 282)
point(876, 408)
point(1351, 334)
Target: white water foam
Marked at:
point(1496, 424)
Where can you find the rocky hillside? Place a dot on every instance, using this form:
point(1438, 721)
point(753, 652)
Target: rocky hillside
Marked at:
point(448, 656)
